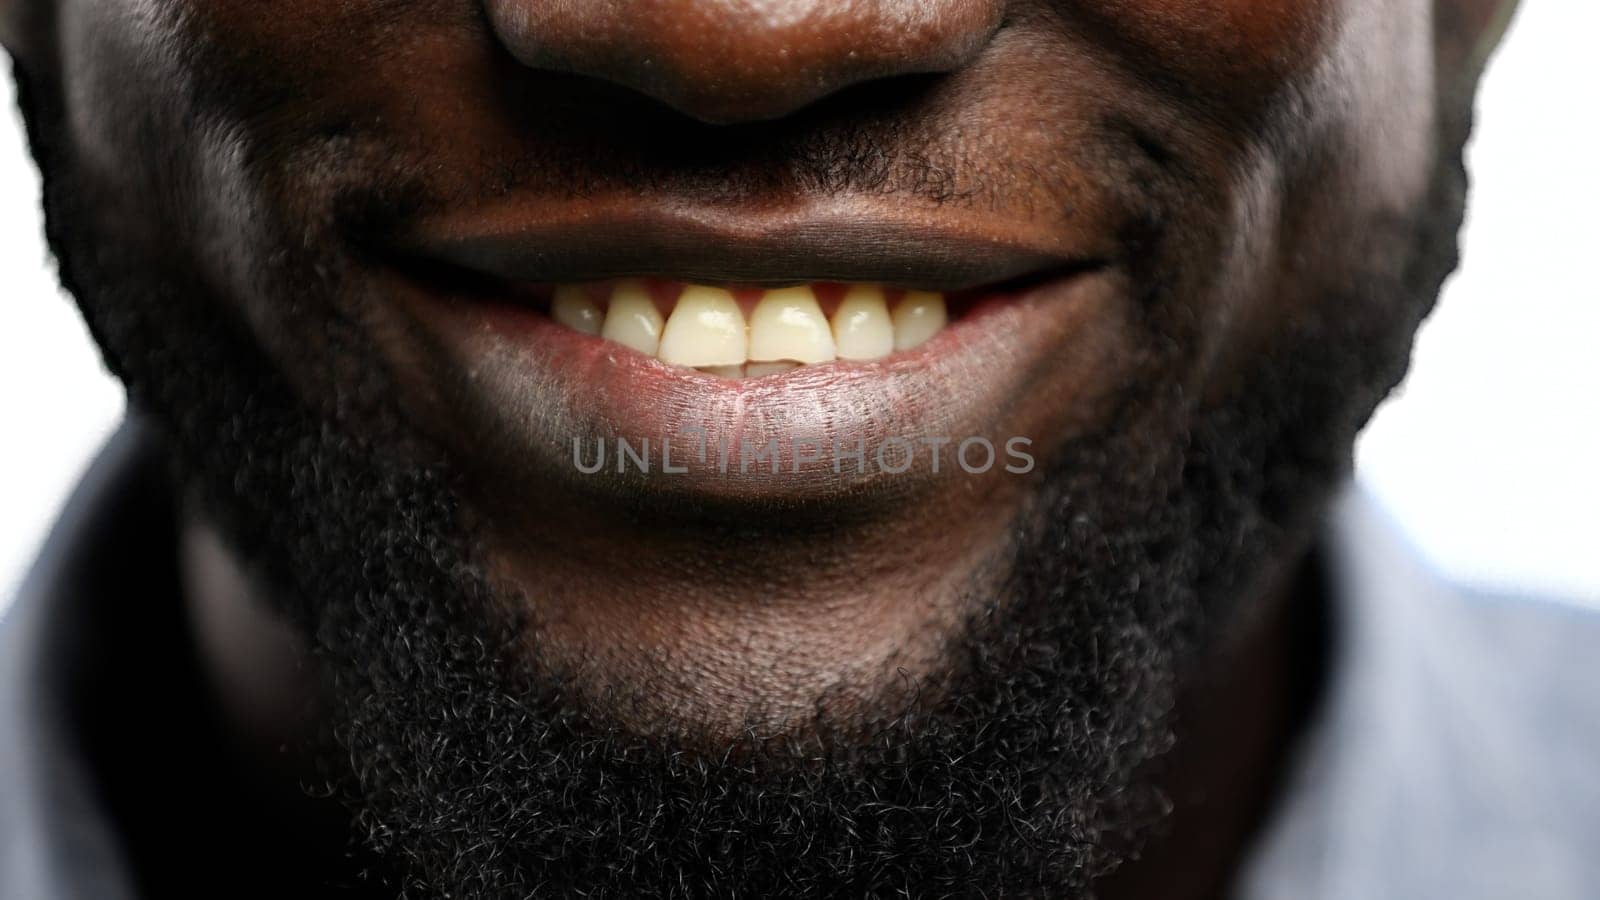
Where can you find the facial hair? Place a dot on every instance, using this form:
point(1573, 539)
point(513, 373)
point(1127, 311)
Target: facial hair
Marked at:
point(476, 774)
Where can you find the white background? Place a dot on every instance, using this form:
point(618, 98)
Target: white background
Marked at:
point(1489, 457)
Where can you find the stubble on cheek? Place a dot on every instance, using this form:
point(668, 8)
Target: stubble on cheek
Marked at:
point(1231, 49)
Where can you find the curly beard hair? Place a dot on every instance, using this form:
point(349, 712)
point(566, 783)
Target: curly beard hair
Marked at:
point(473, 772)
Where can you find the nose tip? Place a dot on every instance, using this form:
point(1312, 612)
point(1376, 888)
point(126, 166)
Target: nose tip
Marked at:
point(727, 61)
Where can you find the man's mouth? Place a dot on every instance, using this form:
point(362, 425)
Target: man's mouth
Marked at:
point(748, 332)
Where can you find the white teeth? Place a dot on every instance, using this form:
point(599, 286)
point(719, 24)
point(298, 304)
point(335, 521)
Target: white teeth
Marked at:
point(919, 316)
point(632, 319)
point(706, 329)
point(861, 325)
point(758, 369)
point(787, 324)
point(750, 370)
point(572, 307)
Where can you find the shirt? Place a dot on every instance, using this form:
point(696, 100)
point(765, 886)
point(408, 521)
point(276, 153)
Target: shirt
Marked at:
point(1455, 753)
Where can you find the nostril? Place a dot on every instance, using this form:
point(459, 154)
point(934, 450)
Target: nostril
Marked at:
point(728, 61)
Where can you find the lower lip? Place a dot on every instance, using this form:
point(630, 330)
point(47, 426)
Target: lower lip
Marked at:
point(536, 388)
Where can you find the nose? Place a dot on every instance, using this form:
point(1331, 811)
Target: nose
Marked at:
point(730, 61)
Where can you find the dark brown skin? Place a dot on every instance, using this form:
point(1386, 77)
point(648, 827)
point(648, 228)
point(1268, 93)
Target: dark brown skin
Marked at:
point(1035, 114)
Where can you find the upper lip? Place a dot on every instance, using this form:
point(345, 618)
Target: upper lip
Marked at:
point(829, 241)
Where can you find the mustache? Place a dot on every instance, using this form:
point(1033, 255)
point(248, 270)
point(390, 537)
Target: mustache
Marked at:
point(358, 184)
point(378, 175)
point(386, 186)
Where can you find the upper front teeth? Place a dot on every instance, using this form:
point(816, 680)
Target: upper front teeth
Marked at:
point(788, 324)
point(862, 328)
point(707, 328)
point(632, 319)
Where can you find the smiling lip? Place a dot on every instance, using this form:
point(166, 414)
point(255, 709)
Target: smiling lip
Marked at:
point(526, 388)
point(935, 249)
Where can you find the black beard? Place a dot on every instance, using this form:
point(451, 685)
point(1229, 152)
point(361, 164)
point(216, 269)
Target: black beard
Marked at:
point(474, 774)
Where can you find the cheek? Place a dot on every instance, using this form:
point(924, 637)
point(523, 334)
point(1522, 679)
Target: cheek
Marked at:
point(1242, 47)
